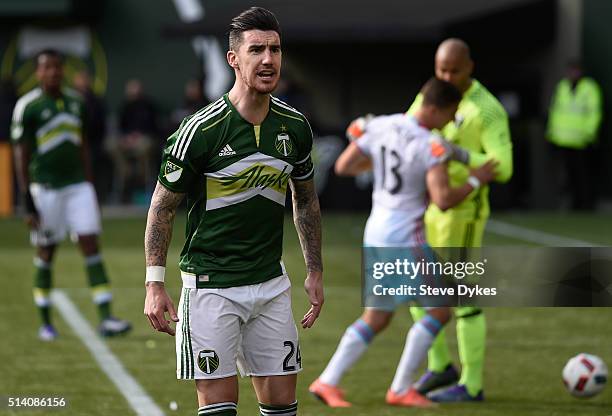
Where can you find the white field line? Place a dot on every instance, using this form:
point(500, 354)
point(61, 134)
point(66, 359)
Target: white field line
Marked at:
point(133, 392)
point(534, 236)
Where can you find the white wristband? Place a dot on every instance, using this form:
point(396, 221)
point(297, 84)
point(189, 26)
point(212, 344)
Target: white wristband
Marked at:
point(155, 274)
point(473, 181)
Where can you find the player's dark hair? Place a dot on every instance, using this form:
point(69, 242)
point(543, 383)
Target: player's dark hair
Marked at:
point(49, 52)
point(255, 18)
point(440, 93)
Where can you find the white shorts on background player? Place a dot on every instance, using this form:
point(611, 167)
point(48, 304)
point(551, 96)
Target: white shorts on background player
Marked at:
point(250, 327)
point(391, 227)
point(73, 208)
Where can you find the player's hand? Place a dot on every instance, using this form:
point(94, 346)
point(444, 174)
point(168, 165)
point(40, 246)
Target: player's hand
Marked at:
point(33, 221)
point(486, 172)
point(313, 285)
point(157, 303)
point(357, 127)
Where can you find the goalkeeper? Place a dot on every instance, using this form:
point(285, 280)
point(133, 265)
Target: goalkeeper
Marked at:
point(480, 126)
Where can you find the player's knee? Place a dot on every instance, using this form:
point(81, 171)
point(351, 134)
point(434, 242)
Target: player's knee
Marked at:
point(45, 253)
point(217, 390)
point(442, 315)
point(377, 320)
point(89, 244)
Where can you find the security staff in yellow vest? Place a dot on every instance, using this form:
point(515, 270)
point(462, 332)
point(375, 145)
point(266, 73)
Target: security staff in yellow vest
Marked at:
point(574, 118)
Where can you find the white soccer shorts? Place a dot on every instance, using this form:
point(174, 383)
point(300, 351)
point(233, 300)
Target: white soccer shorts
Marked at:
point(72, 208)
point(249, 327)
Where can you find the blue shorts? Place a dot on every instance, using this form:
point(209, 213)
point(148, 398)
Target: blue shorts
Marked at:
point(394, 275)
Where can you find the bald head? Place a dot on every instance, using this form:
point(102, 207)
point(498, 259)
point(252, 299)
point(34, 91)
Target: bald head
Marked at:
point(454, 63)
point(454, 48)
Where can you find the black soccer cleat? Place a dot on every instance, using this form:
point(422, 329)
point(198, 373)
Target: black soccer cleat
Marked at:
point(432, 380)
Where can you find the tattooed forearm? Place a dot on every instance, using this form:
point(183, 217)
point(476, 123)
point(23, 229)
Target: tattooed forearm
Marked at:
point(307, 219)
point(159, 225)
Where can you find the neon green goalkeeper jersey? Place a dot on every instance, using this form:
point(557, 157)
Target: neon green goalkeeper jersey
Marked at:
point(481, 127)
point(235, 177)
point(52, 129)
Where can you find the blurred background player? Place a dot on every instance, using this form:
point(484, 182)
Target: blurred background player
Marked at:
point(409, 165)
point(54, 177)
point(481, 127)
point(573, 122)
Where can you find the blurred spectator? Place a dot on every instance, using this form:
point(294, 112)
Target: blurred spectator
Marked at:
point(573, 122)
point(289, 91)
point(192, 101)
point(8, 97)
point(95, 133)
point(132, 150)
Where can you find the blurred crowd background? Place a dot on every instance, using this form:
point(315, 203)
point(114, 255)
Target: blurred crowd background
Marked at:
point(142, 66)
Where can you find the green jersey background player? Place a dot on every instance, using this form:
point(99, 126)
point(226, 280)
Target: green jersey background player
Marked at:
point(481, 127)
point(233, 160)
point(52, 167)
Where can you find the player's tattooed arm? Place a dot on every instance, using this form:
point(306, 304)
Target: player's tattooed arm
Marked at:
point(307, 219)
point(157, 239)
point(159, 224)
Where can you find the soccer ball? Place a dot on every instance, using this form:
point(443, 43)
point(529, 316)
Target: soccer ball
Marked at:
point(585, 375)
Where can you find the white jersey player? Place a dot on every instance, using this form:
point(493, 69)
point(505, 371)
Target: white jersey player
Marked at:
point(401, 152)
point(410, 169)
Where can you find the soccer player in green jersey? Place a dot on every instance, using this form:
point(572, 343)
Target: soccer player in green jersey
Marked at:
point(233, 161)
point(481, 127)
point(54, 178)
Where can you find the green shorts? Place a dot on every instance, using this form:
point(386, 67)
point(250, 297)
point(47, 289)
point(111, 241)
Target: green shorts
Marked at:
point(443, 230)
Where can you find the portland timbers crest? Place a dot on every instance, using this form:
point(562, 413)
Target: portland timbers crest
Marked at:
point(283, 144)
point(172, 172)
point(208, 361)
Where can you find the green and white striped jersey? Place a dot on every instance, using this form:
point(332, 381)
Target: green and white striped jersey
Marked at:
point(52, 128)
point(235, 176)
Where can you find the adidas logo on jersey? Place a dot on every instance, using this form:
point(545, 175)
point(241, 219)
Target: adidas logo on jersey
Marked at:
point(227, 151)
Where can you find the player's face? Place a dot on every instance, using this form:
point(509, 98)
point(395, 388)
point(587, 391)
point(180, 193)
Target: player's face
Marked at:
point(442, 116)
point(258, 60)
point(454, 69)
point(50, 72)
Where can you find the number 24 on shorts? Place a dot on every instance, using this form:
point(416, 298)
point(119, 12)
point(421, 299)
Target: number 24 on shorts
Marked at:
point(298, 356)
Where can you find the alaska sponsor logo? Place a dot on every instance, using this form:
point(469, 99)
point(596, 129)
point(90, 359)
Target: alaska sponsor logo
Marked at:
point(259, 176)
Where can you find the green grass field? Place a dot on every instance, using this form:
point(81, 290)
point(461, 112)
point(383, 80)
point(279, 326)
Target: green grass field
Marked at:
point(527, 347)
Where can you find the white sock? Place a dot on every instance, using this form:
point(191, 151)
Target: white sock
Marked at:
point(353, 344)
point(418, 341)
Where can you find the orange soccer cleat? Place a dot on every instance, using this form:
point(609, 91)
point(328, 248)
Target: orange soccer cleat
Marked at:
point(411, 398)
point(328, 394)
